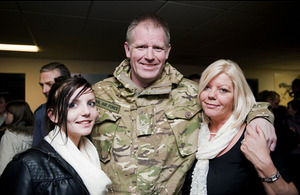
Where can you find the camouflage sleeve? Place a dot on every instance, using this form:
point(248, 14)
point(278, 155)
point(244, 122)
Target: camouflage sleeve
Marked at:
point(261, 109)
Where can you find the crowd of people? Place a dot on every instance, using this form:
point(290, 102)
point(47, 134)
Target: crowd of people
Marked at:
point(149, 130)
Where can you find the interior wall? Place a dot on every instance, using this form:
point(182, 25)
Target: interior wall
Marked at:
point(269, 80)
point(31, 68)
point(33, 92)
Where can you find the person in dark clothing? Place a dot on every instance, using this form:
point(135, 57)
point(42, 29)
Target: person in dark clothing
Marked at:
point(296, 89)
point(286, 138)
point(293, 110)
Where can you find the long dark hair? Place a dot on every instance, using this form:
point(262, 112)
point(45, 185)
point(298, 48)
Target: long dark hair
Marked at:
point(59, 97)
point(21, 112)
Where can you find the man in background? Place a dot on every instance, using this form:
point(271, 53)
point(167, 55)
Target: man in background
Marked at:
point(47, 75)
point(273, 99)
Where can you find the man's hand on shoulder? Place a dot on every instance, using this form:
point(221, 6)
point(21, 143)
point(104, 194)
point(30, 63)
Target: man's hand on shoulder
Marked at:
point(268, 130)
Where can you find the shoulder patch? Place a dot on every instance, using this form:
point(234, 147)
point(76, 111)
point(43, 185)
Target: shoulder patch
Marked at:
point(107, 105)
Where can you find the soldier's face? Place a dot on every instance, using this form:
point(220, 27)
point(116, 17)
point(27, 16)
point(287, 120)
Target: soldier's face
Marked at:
point(147, 53)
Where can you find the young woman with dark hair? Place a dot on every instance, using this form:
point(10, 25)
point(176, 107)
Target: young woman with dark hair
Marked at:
point(65, 162)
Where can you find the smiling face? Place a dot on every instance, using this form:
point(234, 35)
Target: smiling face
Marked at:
point(217, 98)
point(81, 115)
point(147, 53)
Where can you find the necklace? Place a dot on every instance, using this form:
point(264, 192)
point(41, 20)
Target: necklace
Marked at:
point(213, 133)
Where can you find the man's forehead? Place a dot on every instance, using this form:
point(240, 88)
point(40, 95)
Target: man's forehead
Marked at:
point(49, 75)
point(149, 25)
point(141, 34)
point(54, 72)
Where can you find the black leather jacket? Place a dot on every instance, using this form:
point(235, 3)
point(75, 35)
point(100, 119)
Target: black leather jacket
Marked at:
point(40, 170)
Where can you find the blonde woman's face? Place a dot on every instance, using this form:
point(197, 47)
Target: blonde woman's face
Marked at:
point(217, 98)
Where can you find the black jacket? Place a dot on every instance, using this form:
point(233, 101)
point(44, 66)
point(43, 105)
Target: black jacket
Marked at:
point(40, 170)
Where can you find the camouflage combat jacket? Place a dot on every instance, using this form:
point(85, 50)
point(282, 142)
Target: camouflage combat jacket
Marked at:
point(147, 139)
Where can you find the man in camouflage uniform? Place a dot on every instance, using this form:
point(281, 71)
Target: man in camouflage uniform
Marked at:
point(149, 117)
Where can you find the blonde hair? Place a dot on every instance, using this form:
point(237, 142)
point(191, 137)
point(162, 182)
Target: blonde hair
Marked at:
point(243, 97)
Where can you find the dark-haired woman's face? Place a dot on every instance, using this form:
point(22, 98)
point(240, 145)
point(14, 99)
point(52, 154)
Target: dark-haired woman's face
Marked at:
point(82, 114)
point(9, 117)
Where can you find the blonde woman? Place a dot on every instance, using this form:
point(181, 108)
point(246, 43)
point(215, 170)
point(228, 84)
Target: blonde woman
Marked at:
point(225, 163)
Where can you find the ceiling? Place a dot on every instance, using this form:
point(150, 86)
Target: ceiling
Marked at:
point(253, 33)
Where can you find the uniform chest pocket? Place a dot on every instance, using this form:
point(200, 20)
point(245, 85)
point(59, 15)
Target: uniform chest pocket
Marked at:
point(104, 132)
point(184, 122)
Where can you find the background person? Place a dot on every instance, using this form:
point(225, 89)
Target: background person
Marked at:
point(296, 89)
point(65, 162)
point(293, 110)
point(4, 99)
point(194, 77)
point(286, 138)
point(19, 132)
point(147, 129)
point(224, 166)
point(47, 75)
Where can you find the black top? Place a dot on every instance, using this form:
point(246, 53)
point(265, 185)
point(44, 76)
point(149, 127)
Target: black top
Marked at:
point(41, 170)
point(232, 173)
point(39, 125)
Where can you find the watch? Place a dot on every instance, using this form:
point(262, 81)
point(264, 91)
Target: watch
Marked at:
point(272, 178)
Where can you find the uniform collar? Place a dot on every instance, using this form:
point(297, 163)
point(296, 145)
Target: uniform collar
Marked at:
point(169, 78)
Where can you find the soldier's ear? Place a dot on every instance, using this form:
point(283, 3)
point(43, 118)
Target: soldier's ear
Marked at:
point(127, 49)
point(168, 49)
point(52, 116)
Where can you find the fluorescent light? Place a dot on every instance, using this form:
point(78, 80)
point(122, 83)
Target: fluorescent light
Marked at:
point(25, 48)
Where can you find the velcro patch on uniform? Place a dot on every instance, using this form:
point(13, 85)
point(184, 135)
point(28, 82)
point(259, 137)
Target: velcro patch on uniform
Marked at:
point(108, 105)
